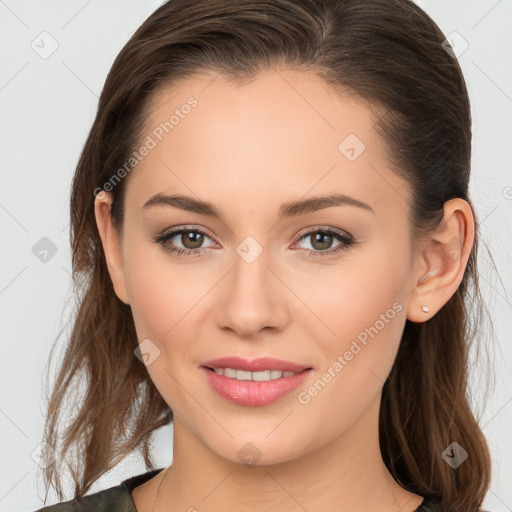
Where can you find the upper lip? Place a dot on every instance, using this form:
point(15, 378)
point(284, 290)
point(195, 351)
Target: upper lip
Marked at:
point(255, 365)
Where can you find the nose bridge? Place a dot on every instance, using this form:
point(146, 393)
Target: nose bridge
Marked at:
point(250, 274)
point(252, 301)
point(250, 265)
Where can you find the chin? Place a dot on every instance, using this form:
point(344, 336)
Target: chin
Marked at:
point(258, 451)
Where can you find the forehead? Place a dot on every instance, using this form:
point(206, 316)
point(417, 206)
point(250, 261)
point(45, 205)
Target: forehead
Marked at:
point(280, 135)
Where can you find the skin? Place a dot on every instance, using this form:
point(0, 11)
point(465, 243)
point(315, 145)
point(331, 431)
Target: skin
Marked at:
point(248, 149)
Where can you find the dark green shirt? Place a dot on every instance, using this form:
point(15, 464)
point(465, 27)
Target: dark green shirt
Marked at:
point(113, 499)
point(119, 499)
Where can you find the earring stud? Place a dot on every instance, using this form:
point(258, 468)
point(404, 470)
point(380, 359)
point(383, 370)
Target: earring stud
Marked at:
point(425, 309)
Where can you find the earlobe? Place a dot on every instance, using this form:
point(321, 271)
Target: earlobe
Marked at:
point(442, 261)
point(111, 245)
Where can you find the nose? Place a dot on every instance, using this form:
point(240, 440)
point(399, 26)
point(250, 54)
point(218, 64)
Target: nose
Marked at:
point(254, 298)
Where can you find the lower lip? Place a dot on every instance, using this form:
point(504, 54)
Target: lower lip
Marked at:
point(254, 393)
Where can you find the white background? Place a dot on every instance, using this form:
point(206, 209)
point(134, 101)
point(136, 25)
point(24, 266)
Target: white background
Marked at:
point(47, 106)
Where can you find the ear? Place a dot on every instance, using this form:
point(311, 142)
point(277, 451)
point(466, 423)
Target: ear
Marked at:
point(442, 261)
point(111, 242)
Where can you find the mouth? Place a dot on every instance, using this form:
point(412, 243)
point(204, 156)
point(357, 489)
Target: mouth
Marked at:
point(261, 364)
point(254, 383)
point(259, 376)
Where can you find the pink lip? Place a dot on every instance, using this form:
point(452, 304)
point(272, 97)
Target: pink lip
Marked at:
point(255, 365)
point(254, 393)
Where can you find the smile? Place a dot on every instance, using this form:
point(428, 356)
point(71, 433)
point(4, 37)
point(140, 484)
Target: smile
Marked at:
point(253, 389)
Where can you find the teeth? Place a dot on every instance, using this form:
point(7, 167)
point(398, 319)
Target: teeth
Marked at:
point(258, 376)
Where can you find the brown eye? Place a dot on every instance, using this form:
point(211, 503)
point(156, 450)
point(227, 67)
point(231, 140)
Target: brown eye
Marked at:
point(322, 241)
point(191, 239)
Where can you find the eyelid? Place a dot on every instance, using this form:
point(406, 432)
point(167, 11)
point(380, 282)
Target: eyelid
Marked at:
point(305, 231)
point(186, 227)
point(314, 228)
point(346, 239)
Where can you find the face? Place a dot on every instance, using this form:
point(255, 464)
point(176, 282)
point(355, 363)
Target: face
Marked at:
point(324, 286)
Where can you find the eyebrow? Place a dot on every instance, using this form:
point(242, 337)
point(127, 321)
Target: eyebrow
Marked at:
point(290, 209)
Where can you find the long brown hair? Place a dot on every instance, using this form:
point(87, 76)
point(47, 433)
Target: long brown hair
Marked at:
point(386, 52)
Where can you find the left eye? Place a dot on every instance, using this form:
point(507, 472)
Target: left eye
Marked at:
point(192, 240)
point(321, 240)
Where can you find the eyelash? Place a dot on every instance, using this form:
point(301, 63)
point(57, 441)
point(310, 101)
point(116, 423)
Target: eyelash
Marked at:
point(163, 239)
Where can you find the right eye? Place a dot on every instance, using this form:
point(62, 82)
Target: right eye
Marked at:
point(191, 239)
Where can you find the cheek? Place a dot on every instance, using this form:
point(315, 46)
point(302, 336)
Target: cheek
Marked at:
point(362, 315)
point(357, 358)
point(163, 312)
point(153, 303)
point(160, 291)
point(354, 296)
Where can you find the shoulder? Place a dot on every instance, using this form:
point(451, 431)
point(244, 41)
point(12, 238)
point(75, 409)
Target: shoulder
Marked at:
point(116, 498)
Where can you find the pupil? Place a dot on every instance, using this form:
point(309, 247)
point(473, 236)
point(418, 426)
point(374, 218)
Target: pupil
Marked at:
point(196, 239)
point(318, 238)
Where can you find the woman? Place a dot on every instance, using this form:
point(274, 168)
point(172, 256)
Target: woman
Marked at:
point(274, 243)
